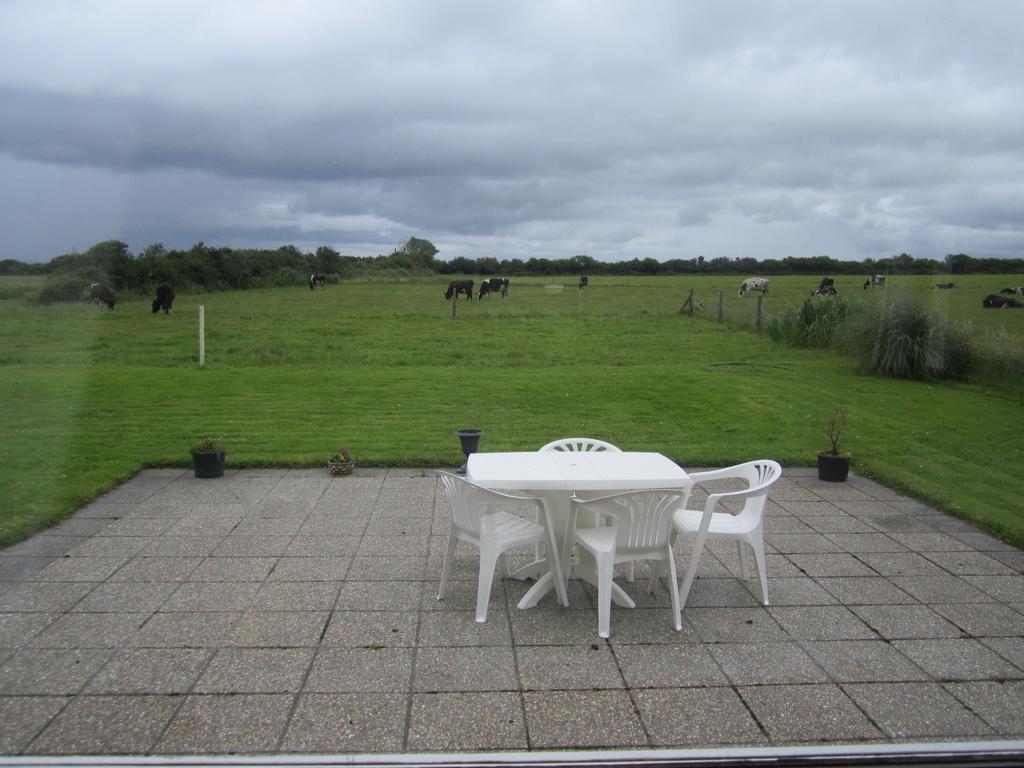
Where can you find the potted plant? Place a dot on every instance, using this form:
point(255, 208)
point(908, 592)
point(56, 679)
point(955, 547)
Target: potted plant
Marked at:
point(208, 458)
point(341, 463)
point(833, 464)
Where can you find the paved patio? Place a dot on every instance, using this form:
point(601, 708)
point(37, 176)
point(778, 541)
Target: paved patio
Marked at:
point(277, 611)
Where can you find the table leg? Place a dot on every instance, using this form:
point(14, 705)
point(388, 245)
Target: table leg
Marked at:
point(619, 596)
point(544, 585)
point(559, 505)
point(530, 570)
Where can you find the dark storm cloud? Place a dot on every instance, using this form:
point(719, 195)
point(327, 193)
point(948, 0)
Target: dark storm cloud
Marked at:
point(137, 134)
point(655, 129)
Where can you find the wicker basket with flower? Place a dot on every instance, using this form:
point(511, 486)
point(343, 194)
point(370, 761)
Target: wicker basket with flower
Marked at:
point(341, 463)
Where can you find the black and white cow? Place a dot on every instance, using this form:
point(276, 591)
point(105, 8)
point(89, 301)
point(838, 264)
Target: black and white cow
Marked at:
point(455, 287)
point(1010, 291)
point(944, 286)
point(874, 280)
point(489, 286)
point(752, 284)
point(101, 294)
point(584, 281)
point(164, 298)
point(317, 280)
point(995, 301)
point(493, 285)
point(826, 287)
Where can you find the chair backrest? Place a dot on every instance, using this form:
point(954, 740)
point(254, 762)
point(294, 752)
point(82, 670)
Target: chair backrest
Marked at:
point(643, 519)
point(465, 502)
point(581, 444)
point(470, 503)
point(760, 475)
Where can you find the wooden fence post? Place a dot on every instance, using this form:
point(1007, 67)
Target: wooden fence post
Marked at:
point(721, 306)
point(760, 314)
point(202, 335)
point(688, 303)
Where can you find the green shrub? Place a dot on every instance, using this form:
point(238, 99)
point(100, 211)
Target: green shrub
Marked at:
point(64, 288)
point(282, 277)
point(812, 323)
point(904, 340)
point(14, 291)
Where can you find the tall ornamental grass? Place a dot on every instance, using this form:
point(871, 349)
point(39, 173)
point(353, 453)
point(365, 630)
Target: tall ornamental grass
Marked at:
point(904, 340)
point(813, 323)
point(999, 359)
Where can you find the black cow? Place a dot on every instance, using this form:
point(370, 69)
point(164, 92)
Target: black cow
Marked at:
point(584, 281)
point(101, 294)
point(317, 279)
point(944, 286)
point(1010, 291)
point(455, 287)
point(995, 301)
point(826, 287)
point(164, 298)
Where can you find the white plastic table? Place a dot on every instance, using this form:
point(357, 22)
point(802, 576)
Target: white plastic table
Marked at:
point(556, 475)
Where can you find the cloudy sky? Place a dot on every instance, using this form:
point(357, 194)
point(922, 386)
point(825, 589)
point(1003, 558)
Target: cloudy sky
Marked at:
point(515, 129)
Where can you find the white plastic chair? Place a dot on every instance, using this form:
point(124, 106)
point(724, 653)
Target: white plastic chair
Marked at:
point(744, 527)
point(581, 444)
point(640, 530)
point(478, 516)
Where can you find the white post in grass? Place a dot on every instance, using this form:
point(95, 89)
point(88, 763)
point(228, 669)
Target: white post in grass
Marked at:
point(202, 335)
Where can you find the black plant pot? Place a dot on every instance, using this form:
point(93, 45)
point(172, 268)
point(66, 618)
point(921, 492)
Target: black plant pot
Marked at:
point(832, 468)
point(470, 439)
point(208, 464)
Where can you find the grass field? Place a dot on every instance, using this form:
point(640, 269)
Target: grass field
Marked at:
point(88, 396)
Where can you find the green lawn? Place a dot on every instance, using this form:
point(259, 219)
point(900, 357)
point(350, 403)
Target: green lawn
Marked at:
point(88, 395)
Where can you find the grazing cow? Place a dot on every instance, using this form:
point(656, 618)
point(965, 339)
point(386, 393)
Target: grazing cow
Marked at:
point(489, 286)
point(164, 298)
point(1020, 290)
point(826, 287)
point(1011, 291)
point(317, 279)
point(944, 286)
point(494, 285)
point(584, 281)
point(754, 284)
point(101, 294)
point(874, 280)
point(455, 287)
point(995, 301)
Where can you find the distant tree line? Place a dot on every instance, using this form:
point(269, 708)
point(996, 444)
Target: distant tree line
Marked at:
point(903, 264)
point(213, 268)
